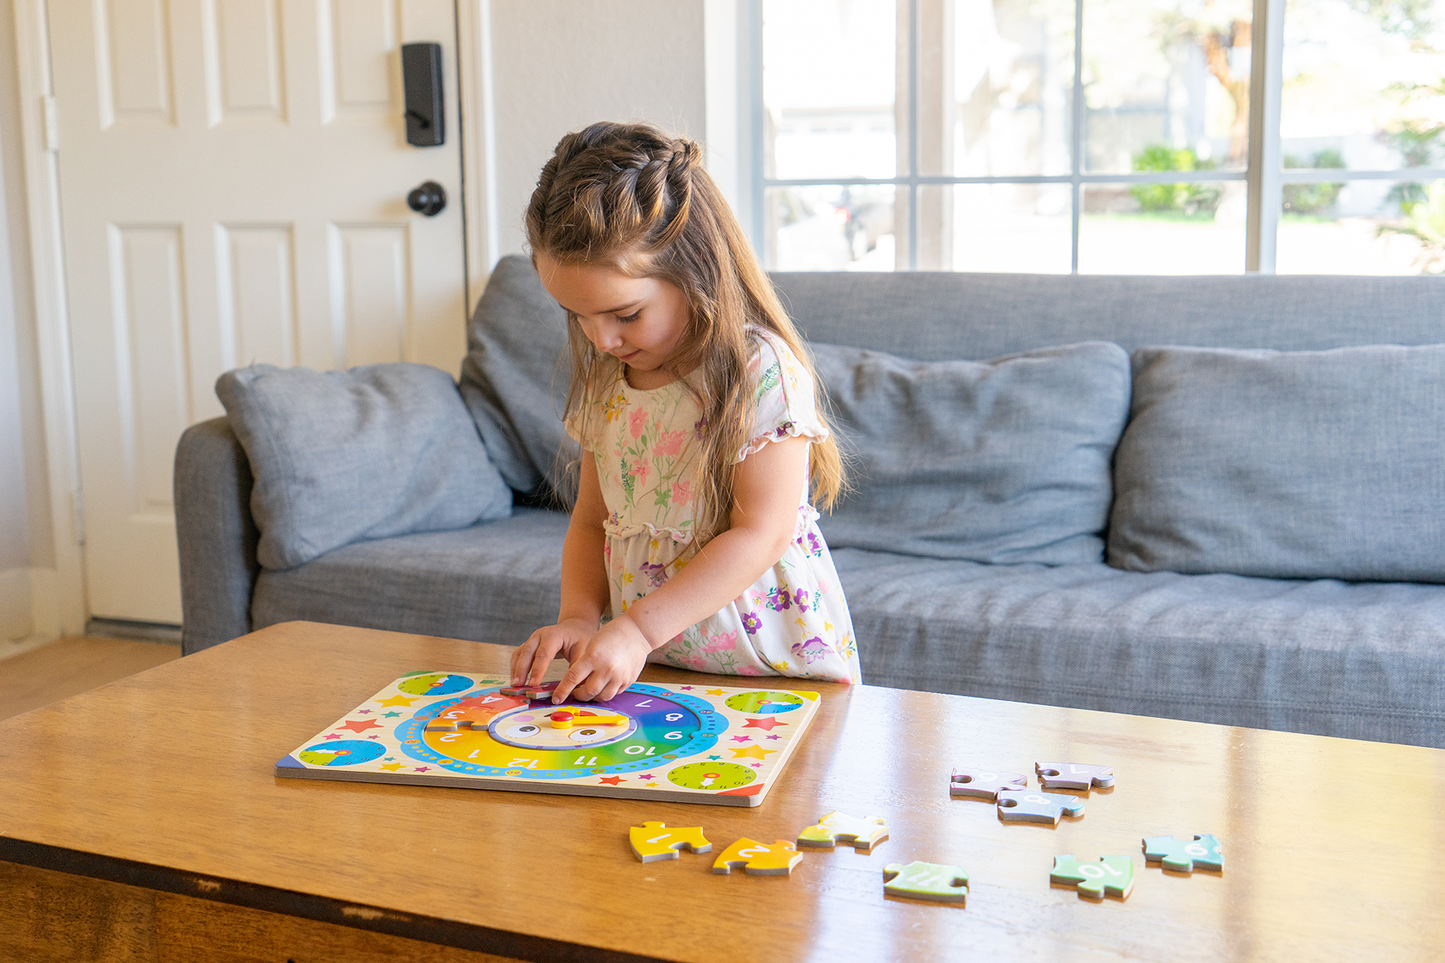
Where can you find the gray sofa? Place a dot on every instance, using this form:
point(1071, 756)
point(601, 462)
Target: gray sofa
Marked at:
point(1250, 536)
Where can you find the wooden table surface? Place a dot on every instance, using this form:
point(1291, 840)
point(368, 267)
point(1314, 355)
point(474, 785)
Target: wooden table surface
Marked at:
point(164, 780)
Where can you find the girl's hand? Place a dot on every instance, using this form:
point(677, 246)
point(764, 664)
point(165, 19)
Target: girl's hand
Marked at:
point(530, 661)
point(605, 664)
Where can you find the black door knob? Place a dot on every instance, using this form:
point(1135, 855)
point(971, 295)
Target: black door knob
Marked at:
point(429, 198)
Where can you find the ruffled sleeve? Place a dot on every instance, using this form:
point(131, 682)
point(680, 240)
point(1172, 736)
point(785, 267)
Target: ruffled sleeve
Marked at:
point(785, 402)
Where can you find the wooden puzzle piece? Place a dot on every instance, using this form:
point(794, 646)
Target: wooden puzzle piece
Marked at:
point(1111, 875)
point(863, 833)
point(528, 691)
point(983, 784)
point(1203, 851)
point(1037, 807)
point(653, 840)
point(1073, 775)
point(920, 880)
point(759, 859)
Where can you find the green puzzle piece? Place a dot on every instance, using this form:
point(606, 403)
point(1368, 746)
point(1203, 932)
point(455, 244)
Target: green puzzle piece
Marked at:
point(1112, 875)
point(920, 880)
point(1185, 855)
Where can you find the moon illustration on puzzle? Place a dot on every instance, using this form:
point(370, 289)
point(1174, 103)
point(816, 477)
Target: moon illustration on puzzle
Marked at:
point(701, 744)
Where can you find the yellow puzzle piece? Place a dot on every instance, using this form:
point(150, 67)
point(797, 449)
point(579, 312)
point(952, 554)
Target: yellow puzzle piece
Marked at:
point(654, 840)
point(863, 833)
point(758, 858)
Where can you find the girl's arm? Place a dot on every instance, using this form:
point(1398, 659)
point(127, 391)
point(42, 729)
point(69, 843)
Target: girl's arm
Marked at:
point(584, 584)
point(767, 490)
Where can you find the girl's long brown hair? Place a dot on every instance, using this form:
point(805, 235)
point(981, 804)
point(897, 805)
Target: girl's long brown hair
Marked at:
point(629, 196)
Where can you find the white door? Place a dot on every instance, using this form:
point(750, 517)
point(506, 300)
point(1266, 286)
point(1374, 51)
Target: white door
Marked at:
point(233, 179)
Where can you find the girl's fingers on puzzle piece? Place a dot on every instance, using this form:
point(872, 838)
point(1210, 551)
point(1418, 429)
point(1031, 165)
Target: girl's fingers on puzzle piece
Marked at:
point(567, 688)
point(522, 659)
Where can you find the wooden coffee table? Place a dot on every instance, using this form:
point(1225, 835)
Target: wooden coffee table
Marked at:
point(141, 821)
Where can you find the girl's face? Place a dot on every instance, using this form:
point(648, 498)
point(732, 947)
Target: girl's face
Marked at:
point(639, 321)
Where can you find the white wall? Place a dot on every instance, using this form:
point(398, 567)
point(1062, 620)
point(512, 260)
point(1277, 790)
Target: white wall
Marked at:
point(555, 66)
point(559, 65)
point(26, 550)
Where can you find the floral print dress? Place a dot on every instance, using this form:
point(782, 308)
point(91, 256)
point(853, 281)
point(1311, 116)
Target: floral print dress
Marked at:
point(794, 620)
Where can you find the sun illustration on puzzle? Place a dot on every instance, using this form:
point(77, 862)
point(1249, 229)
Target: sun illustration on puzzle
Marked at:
point(684, 743)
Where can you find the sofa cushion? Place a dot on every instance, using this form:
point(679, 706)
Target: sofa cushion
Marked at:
point(367, 453)
point(515, 379)
point(494, 582)
point(1355, 660)
point(1311, 464)
point(996, 461)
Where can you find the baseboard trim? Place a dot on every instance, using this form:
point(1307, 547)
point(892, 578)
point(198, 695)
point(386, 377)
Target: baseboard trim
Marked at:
point(29, 610)
point(134, 630)
point(16, 620)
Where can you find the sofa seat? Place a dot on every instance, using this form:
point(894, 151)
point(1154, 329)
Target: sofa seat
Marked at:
point(496, 581)
point(1361, 660)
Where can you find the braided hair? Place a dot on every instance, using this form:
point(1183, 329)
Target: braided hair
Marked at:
point(630, 196)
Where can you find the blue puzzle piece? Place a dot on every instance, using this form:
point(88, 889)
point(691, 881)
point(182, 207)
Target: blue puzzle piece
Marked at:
point(1037, 807)
point(1203, 851)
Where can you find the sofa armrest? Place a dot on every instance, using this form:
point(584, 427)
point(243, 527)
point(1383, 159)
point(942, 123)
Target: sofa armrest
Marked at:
point(216, 535)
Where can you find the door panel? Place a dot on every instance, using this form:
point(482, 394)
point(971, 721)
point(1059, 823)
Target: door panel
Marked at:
point(233, 182)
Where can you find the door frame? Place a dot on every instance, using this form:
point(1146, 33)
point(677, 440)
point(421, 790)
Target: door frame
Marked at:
point(60, 606)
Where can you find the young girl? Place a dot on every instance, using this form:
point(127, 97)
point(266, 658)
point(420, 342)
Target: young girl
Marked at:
point(692, 541)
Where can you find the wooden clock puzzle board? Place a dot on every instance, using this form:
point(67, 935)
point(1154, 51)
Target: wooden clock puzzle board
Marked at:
point(716, 745)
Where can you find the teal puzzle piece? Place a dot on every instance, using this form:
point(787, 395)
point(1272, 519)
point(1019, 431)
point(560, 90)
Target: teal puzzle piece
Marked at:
point(1037, 807)
point(1203, 851)
point(1111, 875)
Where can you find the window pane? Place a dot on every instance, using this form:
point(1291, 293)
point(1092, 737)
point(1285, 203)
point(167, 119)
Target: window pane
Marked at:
point(1364, 85)
point(830, 228)
point(1362, 227)
point(1132, 229)
point(1166, 84)
point(1013, 228)
point(829, 75)
point(1007, 96)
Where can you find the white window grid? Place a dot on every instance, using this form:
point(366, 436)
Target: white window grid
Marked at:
point(1263, 175)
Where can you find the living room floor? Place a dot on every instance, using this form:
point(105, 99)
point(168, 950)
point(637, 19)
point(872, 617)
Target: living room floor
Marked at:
point(71, 665)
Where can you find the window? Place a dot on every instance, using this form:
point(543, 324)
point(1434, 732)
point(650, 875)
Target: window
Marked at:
point(1100, 136)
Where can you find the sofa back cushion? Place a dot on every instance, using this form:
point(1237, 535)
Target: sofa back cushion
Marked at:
point(944, 314)
point(515, 379)
point(1313, 464)
point(342, 456)
point(996, 461)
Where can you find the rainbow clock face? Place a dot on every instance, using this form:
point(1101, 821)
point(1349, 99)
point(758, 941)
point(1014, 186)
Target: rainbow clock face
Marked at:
point(490, 734)
point(686, 743)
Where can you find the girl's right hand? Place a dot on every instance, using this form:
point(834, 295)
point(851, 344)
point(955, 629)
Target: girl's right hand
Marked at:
point(530, 661)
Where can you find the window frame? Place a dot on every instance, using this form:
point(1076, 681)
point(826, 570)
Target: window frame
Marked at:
point(1264, 176)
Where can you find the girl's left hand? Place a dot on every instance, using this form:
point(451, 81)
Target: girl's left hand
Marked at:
point(606, 664)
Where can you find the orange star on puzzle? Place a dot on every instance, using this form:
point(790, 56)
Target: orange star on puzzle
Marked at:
point(360, 725)
point(752, 752)
point(612, 780)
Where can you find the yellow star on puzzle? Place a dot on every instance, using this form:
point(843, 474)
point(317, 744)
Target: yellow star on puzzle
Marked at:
point(391, 766)
point(714, 692)
point(752, 752)
point(397, 700)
